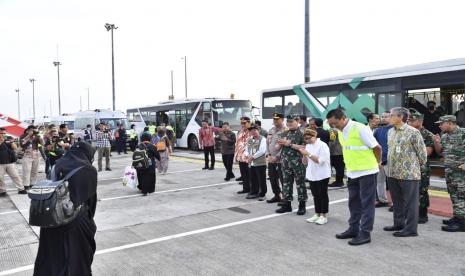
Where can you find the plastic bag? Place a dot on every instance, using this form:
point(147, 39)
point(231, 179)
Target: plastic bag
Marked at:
point(130, 177)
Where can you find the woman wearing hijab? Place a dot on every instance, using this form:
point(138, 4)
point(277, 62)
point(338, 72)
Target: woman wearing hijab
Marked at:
point(69, 249)
point(146, 177)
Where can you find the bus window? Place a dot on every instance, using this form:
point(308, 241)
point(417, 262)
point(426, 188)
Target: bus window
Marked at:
point(272, 105)
point(231, 112)
point(181, 122)
point(199, 116)
point(293, 106)
point(388, 101)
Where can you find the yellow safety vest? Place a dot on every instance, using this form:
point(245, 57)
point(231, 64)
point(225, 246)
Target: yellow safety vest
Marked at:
point(152, 129)
point(357, 156)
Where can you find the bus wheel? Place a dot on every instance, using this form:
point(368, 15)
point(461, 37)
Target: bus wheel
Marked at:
point(193, 143)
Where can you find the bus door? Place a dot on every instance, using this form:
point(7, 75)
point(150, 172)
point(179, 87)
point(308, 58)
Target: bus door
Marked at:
point(207, 112)
point(162, 118)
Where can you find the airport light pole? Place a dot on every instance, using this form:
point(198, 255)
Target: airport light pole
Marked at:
point(19, 110)
point(185, 74)
point(111, 27)
point(307, 42)
point(33, 99)
point(57, 65)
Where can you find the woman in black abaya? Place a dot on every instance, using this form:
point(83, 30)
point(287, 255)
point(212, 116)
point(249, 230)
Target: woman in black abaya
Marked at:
point(69, 249)
point(146, 177)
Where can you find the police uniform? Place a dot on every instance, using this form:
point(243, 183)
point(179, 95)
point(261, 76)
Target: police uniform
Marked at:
point(293, 168)
point(453, 149)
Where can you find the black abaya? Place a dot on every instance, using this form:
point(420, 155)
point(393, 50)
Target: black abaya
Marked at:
point(146, 177)
point(69, 249)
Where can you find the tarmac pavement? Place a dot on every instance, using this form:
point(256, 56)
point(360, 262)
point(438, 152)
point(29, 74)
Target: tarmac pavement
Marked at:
point(196, 224)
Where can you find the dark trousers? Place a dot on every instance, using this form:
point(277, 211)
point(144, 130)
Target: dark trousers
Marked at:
point(362, 193)
point(258, 180)
point(276, 177)
point(121, 146)
point(244, 168)
point(337, 161)
point(320, 195)
point(133, 144)
point(211, 151)
point(404, 194)
point(228, 160)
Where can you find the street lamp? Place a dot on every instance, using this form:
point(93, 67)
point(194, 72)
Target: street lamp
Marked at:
point(33, 100)
point(185, 73)
point(19, 110)
point(57, 64)
point(307, 42)
point(111, 27)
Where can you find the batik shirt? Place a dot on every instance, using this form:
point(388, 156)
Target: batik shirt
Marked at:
point(406, 153)
point(241, 145)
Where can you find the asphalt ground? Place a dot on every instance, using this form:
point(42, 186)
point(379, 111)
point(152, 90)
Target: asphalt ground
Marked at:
point(196, 224)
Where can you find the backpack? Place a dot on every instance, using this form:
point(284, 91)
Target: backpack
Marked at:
point(140, 159)
point(160, 143)
point(51, 204)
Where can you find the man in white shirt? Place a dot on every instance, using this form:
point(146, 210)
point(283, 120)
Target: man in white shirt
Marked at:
point(362, 157)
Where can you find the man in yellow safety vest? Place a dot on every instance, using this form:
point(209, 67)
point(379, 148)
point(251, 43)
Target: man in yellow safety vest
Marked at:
point(362, 157)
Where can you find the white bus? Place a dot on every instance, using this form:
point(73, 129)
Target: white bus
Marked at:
point(95, 117)
point(185, 116)
point(67, 119)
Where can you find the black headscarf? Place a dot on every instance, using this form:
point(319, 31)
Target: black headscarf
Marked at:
point(83, 185)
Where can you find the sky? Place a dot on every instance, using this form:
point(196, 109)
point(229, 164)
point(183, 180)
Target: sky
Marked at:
point(240, 47)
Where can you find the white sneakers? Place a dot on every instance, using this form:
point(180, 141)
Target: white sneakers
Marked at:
point(313, 219)
point(322, 220)
point(317, 220)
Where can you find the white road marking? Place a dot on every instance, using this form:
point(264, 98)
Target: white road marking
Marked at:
point(173, 190)
point(172, 237)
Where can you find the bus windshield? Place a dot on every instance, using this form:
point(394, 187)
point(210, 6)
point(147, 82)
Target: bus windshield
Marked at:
point(231, 111)
point(113, 122)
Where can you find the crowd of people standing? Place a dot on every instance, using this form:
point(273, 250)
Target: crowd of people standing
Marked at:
point(386, 159)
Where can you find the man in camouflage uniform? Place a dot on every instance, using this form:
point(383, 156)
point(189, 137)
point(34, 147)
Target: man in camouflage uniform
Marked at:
point(452, 146)
point(292, 166)
point(416, 120)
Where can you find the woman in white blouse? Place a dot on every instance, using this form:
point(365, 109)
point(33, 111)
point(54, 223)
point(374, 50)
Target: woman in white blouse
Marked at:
point(316, 155)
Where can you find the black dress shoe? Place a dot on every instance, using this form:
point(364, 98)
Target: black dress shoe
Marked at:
point(348, 234)
point(22, 192)
point(380, 204)
point(251, 196)
point(449, 221)
point(205, 168)
point(335, 184)
point(273, 200)
point(27, 187)
point(423, 220)
point(391, 209)
point(402, 234)
point(393, 228)
point(239, 179)
point(3, 194)
point(211, 168)
point(108, 169)
point(243, 192)
point(359, 240)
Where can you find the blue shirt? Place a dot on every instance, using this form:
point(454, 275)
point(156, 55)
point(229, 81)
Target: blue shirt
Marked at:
point(381, 135)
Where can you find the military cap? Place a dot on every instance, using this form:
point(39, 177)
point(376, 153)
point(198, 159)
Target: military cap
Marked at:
point(416, 116)
point(278, 116)
point(291, 118)
point(252, 127)
point(447, 118)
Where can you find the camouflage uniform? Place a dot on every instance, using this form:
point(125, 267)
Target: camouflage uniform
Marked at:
point(426, 170)
point(453, 149)
point(292, 166)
